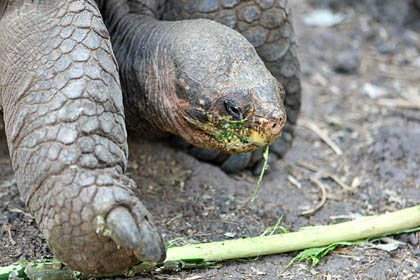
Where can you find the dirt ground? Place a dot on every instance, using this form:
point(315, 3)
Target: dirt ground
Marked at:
point(360, 85)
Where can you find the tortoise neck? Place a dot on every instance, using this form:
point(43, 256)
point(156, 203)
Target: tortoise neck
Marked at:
point(140, 44)
point(114, 9)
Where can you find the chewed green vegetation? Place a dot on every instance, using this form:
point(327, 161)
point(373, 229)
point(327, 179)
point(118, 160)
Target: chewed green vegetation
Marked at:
point(227, 130)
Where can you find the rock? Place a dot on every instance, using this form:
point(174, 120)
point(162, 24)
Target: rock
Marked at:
point(230, 234)
point(416, 4)
point(323, 18)
point(347, 62)
point(411, 39)
point(409, 238)
point(387, 47)
point(373, 91)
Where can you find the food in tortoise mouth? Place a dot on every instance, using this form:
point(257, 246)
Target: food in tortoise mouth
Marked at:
point(65, 112)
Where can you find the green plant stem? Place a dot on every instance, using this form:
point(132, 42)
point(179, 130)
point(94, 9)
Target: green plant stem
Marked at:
point(264, 168)
point(309, 237)
point(196, 255)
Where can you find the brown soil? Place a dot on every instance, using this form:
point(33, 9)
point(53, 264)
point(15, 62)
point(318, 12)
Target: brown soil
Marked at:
point(380, 159)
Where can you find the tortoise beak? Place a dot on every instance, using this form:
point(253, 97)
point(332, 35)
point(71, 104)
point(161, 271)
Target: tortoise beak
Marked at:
point(265, 131)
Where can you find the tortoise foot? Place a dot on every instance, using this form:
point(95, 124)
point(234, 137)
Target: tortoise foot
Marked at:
point(100, 228)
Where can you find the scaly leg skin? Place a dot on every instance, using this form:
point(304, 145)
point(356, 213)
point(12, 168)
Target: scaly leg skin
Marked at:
point(64, 121)
point(267, 25)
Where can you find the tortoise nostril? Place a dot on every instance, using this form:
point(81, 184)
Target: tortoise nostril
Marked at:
point(275, 128)
point(281, 120)
point(277, 125)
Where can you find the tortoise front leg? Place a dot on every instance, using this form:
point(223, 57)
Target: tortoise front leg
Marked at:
point(64, 121)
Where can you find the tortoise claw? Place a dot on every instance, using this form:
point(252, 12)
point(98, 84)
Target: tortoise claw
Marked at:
point(152, 247)
point(143, 238)
point(123, 228)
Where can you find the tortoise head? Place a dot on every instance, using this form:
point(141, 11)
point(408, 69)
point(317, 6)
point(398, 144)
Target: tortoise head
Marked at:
point(225, 97)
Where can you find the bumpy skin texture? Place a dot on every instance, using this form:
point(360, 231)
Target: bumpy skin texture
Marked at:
point(64, 120)
point(192, 68)
point(63, 113)
point(268, 27)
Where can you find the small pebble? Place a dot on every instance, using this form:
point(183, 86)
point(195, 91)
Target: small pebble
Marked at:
point(364, 260)
point(230, 234)
point(347, 62)
point(416, 4)
point(410, 38)
point(409, 238)
point(260, 213)
point(387, 48)
point(373, 91)
point(323, 18)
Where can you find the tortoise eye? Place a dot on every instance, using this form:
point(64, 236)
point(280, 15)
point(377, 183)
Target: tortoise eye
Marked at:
point(233, 110)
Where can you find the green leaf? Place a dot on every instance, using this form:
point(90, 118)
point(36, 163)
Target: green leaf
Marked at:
point(172, 242)
point(316, 254)
point(195, 261)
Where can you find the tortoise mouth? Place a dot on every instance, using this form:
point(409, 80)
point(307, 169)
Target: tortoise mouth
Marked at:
point(231, 136)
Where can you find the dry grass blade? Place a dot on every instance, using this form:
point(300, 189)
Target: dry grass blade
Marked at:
point(322, 134)
point(323, 198)
point(325, 174)
point(294, 181)
point(8, 229)
point(398, 102)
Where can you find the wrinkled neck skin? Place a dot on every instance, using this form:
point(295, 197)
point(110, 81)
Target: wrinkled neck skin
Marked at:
point(146, 69)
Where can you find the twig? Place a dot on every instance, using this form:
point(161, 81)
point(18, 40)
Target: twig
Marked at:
point(323, 198)
point(322, 134)
point(398, 102)
point(309, 166)
point(294, 181)
point(205, 254)
point(325, 174)
point(410, 76)
point(8, 228)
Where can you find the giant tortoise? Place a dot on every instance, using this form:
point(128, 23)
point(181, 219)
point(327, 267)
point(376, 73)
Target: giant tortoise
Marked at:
point(182, 73)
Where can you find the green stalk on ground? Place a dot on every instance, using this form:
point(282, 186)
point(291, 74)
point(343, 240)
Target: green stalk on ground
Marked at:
point(205, 254)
